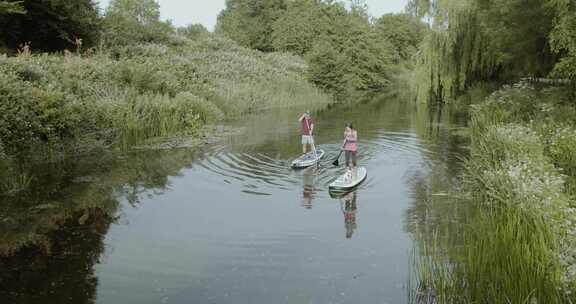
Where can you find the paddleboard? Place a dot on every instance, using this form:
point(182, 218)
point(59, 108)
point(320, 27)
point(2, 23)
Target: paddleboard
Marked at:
point(346, 182)
point(308, 159)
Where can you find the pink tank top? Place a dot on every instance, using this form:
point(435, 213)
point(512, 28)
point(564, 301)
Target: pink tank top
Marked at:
point(351, 139)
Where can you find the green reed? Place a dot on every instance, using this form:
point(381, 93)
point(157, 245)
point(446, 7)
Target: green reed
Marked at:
point(516, 243)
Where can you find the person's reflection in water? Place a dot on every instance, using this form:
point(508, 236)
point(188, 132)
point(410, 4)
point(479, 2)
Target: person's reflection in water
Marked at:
point(309, 189)
point(349, 209)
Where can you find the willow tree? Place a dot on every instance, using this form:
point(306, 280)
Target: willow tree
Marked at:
point(479, 40)
point(563, 39)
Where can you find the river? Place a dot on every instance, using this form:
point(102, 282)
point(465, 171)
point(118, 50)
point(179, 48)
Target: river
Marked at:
point(230, 222)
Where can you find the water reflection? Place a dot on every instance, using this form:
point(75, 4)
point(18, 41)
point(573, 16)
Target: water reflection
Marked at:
point(349, 207)
point(243, 244)
point(52, 236)
point(309, 187)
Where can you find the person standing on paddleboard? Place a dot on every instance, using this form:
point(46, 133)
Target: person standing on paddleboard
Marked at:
point(307, 131)
point(350, 148)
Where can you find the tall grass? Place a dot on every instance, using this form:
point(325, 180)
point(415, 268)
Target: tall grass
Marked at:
point(134, 93)
point(518, 243)
point(12, 184)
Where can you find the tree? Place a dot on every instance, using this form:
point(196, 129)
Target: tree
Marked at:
point(479, 40)
point(193, 31)
point(404, 32)
point(49, 25)
point(348, 56)
point(250, 22)
point(297, 29)
point(563, 39)
point(132, 21)
point(8, 8)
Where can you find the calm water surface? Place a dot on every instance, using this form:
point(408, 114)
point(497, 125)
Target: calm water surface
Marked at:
point(231, 222)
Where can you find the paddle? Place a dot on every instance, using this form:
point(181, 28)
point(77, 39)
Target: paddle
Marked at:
point(337, 160)
point(312, 143)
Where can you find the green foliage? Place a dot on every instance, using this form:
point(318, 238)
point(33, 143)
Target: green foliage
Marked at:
point(250, 22)
point(404, 32)
point(326, 68)
point(346, 52)
point(51, 25)
point(7, 8)
point(517, 246)
point(12, 181)
point(193, 31)
point(476, 40)
point(562, 149)
point(505, 256)
point(146, 90)
point(128, 22)
point(563, 39)
point(144, 116)
point(207, 111)
point(342, 46)
point(32, 115)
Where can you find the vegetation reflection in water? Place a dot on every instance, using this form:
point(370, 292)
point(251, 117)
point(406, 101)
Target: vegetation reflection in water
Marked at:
point(71, 205)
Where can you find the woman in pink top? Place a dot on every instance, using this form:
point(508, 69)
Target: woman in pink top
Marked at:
point(350, 146)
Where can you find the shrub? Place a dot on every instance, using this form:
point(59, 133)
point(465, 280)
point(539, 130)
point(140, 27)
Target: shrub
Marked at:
point(206, 110)
point(563, 149)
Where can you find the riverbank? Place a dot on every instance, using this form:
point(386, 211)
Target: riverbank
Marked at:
point(517, 241)
point(54, 105)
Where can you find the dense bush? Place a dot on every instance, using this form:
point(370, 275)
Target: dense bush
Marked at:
point(142, 91)
point(562, 149)
point(33, 115)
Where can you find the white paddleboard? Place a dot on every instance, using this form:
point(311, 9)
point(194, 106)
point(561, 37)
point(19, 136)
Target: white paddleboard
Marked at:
point(308, 159)
point(347, 182)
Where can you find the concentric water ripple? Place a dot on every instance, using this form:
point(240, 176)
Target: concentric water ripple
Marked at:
point(264, 174)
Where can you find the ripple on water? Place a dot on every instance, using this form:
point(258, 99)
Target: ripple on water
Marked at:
point(261, 174)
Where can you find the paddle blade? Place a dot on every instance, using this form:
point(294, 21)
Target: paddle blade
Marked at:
point(337, 160)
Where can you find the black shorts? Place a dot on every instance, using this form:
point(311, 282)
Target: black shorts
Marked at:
point(350, 157)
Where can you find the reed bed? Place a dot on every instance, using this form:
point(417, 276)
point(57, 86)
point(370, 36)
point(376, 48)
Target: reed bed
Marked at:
point(517, 244)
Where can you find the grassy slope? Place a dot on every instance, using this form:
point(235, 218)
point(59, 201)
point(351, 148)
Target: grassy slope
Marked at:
point(140, 92)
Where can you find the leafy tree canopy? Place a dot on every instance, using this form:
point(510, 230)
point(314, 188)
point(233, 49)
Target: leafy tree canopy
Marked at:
point(250, 22)
point(193, 31)
point(132, 21)
point(476, 40)
point(49, 25)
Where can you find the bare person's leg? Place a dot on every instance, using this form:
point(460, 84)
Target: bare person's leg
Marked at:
point(354, 167)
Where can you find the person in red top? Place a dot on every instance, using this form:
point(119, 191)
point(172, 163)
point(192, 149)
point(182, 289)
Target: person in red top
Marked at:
point(307, 131)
